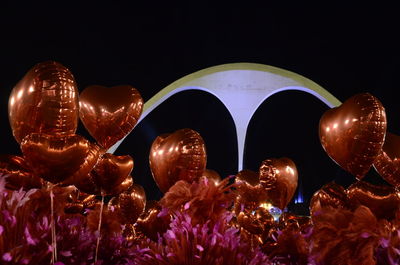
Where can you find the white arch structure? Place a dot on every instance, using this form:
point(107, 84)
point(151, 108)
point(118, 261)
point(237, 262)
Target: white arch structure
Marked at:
point(242, 88)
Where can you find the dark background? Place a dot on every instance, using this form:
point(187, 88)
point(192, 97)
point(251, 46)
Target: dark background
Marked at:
point(345, 48)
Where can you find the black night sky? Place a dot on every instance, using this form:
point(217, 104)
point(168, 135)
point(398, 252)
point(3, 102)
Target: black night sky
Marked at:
point(345, 49)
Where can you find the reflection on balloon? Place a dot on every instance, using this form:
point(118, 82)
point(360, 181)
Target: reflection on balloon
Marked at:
point(44, 101)
point(388, 161)
point(18, 173)
point(383, 201)
point(330, 194)
point(177, 156)
point(59, 158)
point(109, 114)
point(279, 177)
point(212, 175)
point(353, 133)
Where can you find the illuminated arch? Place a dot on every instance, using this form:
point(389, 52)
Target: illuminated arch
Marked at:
point(242, 88)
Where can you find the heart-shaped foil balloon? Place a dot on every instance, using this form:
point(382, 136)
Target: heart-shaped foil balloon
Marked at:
point(110, 171)
point(250, 193)
point(383, 201)
point(110, 113)
point(18, 173)
point(110, 176)
point(44, 101)
point(279, 177)
point(177, 156)
point(59, 158)
point(353, 133)
point(130, 204)
point(388, 161)
point(330, 195)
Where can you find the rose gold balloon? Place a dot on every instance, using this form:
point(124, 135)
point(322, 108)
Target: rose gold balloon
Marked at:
point(125, 185)
point(256, 222)
point(212, 175)
point(130, 204)
point(353, 133)
point(279, 177)
point(78, 201)
point(388, 161)
point(44, 101)
point(248, 176)
point(151, 223)
point(109, 114)
point(18, 173)
point(296, 222)
point(59, 158)
point(383, 201)
point(177, 156)
point(330, 194)
point(110, 171)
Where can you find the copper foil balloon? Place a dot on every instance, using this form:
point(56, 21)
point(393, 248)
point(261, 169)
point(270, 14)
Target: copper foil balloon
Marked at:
point(110, 171)
point(110, 113)
point(256, 222)
point(78, 201)
point(152, 223)
point(296, 222)
point(59, 158)
point(130, 204)
point(248, 176)
point(125, 185)
point(280, 177)
point(388, 161)
point(353, 133)
point(383, 201)
point(177, 156)
point(330, 194)
point(18, 173)
point(212, 175)
point(44, 101)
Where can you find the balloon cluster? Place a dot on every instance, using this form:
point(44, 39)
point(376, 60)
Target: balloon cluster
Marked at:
point(44, 108)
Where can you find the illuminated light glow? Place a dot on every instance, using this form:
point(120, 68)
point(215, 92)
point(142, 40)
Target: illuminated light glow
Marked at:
point(31, 89)
point(266, 206)
point(335, 126)
point(12, 101)
point(355, 120)
point(20, 93)
point(328, 129)
point(346, 121)
point(241, 88)
point(160, 152)
point(289, 170)
point(170, 149)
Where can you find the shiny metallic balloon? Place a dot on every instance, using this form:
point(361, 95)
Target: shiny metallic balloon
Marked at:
point(295, 222)
point(59, 158)
point(151, 223)
point(383, 201)
point(388, 161)
point(279, 177)
point(18, 173)
point(110, 171)
point(353, 133)
point(130, 204)
point(257, 221)
point(78, 201)
point(248, 176)
point(330, 194)
point(110, 113)
point(177, 156)
point(212, 175)
point(44, 101)
point(125, 185)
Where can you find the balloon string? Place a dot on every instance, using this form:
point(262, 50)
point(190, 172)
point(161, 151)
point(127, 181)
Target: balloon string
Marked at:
point(53, 227)
point(98, 228)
